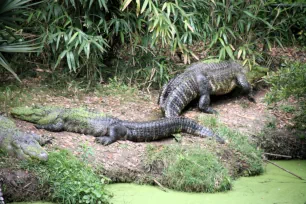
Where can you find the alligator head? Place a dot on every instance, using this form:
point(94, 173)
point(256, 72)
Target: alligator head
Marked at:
point(36, 114)
point(21, 144)
point(256, 73)
point(28, 146)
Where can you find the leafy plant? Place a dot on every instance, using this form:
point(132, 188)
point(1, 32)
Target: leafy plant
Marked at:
point(289, 81)
point(70, 180)
point(11, 36)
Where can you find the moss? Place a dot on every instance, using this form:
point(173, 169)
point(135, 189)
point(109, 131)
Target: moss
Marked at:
point(6, 123)
point(33, 114)
point(49, 114)
point(189, 168)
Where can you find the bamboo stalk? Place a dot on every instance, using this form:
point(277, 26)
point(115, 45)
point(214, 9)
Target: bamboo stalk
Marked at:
point(284, 169)
point(159, 184)
point(278, 155)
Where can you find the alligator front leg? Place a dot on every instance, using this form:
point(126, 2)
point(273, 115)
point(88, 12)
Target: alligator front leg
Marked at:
point(204, 105)
point(116, 132)
point(204, 89)
point(246, 87)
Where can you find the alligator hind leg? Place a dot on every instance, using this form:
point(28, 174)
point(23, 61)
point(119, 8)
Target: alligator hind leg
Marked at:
point(115, 133)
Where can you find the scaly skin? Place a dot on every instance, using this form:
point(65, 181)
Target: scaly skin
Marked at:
point(202, 80)
point(108, 129)
point(1, 197)
point(20, 144)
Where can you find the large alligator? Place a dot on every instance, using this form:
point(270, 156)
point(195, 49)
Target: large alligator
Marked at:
point(20, 144)
point(108, 129)
point(202, 80)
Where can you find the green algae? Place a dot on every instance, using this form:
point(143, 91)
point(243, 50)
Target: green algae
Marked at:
point(275, 186)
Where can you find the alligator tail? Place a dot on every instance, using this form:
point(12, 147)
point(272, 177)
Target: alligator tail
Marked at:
point(167, 88)
point(159, 129)
point(180, 97)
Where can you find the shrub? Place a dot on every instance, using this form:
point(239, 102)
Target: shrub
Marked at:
point(286, 82)
point(70, 180)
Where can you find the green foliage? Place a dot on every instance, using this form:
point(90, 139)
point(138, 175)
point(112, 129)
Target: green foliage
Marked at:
point(248, 153)
point(230, 29)
point(70, 180)
point(144, 70)
point(190, 169)
point(81, 36)
point(11, 13)
point(286, 82)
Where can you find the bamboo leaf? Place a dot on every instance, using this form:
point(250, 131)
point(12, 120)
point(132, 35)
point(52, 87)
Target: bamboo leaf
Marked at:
point(138, 7)
point(125, 4)
point(239, 53)
point(229, 52)
point(6, 66)
point(73, 37)
point(144, 6)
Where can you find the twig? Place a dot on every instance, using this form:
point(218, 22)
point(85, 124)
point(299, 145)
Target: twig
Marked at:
point(243, 116)
point(278, 155)
point(27, 185)
point(161, 186)
point(283, 169)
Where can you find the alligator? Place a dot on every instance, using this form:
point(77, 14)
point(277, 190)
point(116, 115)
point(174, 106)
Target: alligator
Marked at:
point(108, 129)
point(1, 197)
point(20, 144)
point(201, 80)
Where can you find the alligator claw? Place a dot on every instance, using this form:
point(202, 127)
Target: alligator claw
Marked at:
point(251, 98)
point(105, 140)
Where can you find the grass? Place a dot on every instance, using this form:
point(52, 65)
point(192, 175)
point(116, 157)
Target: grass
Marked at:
point(190, 169)
point(38, 92)
point(246, 152)
point(70, 180)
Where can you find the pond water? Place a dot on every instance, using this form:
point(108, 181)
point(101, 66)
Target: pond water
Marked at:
point(274, 186)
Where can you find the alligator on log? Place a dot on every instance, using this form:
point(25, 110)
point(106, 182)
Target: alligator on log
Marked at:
point(108, 129)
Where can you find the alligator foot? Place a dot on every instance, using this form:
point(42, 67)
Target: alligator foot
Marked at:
point(219, 139)
point(209, 110)
point(251, 98)
point(105, 140)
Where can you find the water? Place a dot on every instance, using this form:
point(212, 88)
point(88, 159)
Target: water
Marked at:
point(275, 186)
